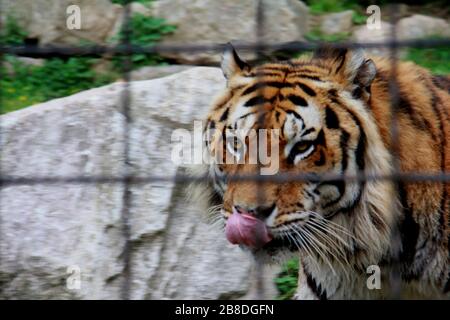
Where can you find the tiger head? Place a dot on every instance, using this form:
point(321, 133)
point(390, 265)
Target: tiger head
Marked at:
point(317, 108)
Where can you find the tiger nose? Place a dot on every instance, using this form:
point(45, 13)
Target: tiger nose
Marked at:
point(261, 212)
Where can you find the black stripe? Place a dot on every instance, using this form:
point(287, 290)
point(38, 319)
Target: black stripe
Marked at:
point(315, 78)
point(409, 232)
point(282, 126)
point(260, 85)
point(263, 74)
point(321, 161)
point(281, 68)
point(307, 131)
point(315, 287)
point(258, 100)
point(376, 220)
point(304, 75)
point(340, 186)
point(345, 137)
point(306, 88)
point(247, 114)
point(277, 115)
point(333, 95)
point(320, 140)
point(310, 194)
point(361, 147)
point(297, 100)
point(224, 115)
point(442, 82)
point(435, 100)
point(269, 74)
point(360, 150)
point(331, 119)
point(241, 64)
point(360, 160)
point(341, 56)
point(295, 114)
point(357, 93)
point(404, 106)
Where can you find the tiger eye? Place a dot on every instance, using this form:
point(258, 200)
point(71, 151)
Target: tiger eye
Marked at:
point(303, 146)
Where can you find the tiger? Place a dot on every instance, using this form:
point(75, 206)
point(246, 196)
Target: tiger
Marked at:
point(332, 114)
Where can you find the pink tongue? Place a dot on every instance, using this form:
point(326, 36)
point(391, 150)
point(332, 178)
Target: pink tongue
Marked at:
point(248, 230)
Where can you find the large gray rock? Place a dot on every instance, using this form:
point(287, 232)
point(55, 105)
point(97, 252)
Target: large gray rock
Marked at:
point(46, 20)
point(139, 8)
point(413, 27)
point(382, 35)
point(339, 22)
point(47, 228)
point(420, 26)
point(212, 21)
point(153, 72)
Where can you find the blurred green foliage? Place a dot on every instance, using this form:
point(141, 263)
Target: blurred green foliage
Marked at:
point(145, 31)
point(328, 6)
point(319, 7)
point(286, 281)
point(24, 85)
point(11, 33)
point(436, 59)
point(317, 35)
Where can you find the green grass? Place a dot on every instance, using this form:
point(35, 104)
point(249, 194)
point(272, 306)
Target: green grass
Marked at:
point(435, 59)
point(28, 85)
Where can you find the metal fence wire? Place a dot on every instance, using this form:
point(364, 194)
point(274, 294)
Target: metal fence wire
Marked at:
point(127, 49)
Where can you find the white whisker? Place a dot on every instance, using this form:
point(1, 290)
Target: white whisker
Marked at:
point(306, 245)
point(316, 245)
point(340, 255)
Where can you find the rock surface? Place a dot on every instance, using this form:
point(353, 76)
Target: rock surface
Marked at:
point(153, 72)
point(46, 20)
point(364, 34)
point(339, 22)
point(139, 8)
point(212, 21)
point(413, 27)
point(47, 228)
point(420, 26)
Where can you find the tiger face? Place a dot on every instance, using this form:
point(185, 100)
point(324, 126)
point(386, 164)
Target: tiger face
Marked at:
point(316, 108)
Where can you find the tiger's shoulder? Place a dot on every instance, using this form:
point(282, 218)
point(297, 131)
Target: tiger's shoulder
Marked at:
point(421, 104)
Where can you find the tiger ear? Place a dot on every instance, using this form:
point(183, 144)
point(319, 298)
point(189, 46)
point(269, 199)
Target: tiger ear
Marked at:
point(354, 70)
point(359, 70)
point(231, 63)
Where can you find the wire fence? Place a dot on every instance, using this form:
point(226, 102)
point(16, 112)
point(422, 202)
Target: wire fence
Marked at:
point(127, 49)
